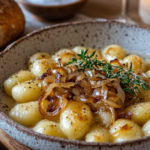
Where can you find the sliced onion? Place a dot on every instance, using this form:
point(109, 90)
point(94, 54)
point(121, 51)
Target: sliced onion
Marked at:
point(76, 91)
point(90, 73)
point(100, 83)
point(48, 80)
point(84, 99)
point(73, 75)
point(96, 93)
point(121, 93)
point(110, 103)
point(86, 86)
point(112, 110)
point(63, 101)
point(49, 115)
point(80, 77)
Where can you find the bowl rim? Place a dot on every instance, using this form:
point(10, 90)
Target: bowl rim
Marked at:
point(25, 2)
point(26, 130)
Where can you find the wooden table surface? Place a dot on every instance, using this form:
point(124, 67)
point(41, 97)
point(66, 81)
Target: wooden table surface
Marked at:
point(109, 9)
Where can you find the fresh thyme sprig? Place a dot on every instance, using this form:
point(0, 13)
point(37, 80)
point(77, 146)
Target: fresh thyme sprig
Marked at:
point(129, 82)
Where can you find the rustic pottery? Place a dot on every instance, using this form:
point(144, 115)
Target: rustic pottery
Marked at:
point(50, 39)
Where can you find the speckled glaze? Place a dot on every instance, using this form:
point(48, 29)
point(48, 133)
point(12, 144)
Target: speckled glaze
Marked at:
point(51, 39)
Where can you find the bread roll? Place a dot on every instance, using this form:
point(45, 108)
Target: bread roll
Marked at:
point(11, 22)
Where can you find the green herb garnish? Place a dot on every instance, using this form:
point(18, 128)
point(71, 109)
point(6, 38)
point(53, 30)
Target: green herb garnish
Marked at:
point(129, 82)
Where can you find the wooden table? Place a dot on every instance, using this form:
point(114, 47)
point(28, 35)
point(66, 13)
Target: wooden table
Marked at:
point(109, 9)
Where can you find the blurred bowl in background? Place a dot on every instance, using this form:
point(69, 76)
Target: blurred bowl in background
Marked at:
point(53, 12)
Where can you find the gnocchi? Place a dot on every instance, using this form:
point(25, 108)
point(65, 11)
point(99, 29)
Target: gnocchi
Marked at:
point(83, 93)
point(27, 91)
point(49, 128)
point(146, 128)
point(41, 66)
point(17, 78)
point(98, 134)
point(112, 52)
point(26, 114)
point(137, 62)
point(140, 112)
point(75, 120)
point(124, 130)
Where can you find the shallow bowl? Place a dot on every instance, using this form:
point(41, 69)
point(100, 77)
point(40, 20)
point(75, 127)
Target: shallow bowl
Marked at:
point(51, 39)
point(53, 12)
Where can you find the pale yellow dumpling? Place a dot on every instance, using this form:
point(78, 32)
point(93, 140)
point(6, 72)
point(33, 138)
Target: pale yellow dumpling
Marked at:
point(104, 118)
point(41, 66)
point(78, 49)
point(75, 120)
point(145, 94)
point(140, 112)
point(17, 78)
point(146, 128)
point(137, 62)
point(27, 91)
point(26, 114)
point(98, 134)
point(49, 128)
point(37, 56)
point(64, 56)
point(125, 130)
point(112, 52)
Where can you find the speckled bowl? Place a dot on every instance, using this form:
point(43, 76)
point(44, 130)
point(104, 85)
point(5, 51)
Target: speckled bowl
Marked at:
point(51, 39)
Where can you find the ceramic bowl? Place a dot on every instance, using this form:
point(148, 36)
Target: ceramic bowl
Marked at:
point(53, 12)
point(51, 39)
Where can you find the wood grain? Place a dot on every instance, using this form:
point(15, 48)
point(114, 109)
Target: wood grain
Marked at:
point(8, 143)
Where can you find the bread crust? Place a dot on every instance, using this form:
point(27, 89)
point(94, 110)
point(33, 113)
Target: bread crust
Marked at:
point(12, 22)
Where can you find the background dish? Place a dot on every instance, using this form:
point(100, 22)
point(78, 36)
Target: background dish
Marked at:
point(53, 12)
point(91, 34)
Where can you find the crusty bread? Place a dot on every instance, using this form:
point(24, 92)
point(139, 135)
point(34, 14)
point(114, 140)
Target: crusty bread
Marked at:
point(11, 22)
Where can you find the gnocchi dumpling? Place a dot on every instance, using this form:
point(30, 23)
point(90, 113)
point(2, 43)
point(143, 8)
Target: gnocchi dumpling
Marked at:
point(64, 56)
point(37, 56)
point(49, 128)
point(140, 112)
point(104, 118)
point(26, 114)
point(137, 62)
point(27, 91)
point(125, 130)
point(78, 49)
point(75, 120)
point(146, 128)
point(112, 52)
point(17, 78)
point(98, 134)
point(41, 66)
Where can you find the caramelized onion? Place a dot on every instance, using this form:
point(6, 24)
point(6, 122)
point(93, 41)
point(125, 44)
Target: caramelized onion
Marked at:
point(121, 93)
point(62, 103)
point(49, 115)
point(73, 75)
point(84, 84)
point(84, 99)
point(95, 83)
